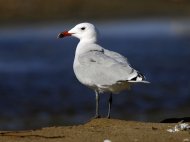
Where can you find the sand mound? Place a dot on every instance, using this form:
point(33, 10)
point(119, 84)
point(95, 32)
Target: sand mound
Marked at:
point(100, 130)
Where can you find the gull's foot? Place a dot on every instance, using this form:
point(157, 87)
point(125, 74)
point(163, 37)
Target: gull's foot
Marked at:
point(108, 117)
point(96, 117)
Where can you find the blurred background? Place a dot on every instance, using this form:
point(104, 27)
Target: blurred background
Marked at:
point(38, 87)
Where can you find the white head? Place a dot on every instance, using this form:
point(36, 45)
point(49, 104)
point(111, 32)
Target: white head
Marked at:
point(86, 32)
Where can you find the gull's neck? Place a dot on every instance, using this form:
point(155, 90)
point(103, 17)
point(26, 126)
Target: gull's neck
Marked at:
point(85, 45)
point(89, 40)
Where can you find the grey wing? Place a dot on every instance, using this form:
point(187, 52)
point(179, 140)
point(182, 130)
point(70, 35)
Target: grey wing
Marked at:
point(118, 57)
point(136, 77)
point(101, 69)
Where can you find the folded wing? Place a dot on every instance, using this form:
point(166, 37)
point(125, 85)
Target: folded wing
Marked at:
point(104, 67)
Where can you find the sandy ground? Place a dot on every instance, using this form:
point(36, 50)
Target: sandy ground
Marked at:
point(99, 130)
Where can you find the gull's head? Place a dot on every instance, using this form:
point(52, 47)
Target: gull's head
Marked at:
point(83, 31)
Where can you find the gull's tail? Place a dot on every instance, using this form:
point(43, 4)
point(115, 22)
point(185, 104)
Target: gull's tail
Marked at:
point(139, 78)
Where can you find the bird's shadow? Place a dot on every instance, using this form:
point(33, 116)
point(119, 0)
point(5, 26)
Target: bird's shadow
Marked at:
point(176, 120)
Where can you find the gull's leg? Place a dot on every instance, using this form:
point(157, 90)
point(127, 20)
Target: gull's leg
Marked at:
point(97, 105)
point(110, 103)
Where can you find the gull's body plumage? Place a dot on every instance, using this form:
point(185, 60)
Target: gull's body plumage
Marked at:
point(103, 70)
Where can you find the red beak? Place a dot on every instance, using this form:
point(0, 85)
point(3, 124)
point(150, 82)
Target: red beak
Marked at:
point(64, 34)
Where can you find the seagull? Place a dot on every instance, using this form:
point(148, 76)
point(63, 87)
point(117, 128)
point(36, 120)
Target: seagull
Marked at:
point(100, 69)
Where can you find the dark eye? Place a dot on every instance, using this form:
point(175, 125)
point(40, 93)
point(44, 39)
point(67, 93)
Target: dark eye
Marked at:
point(83, 28)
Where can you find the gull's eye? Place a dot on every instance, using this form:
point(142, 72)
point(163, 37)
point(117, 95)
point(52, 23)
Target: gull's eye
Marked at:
point(83, 28)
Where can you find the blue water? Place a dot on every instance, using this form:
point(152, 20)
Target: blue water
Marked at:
point(38, 87)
